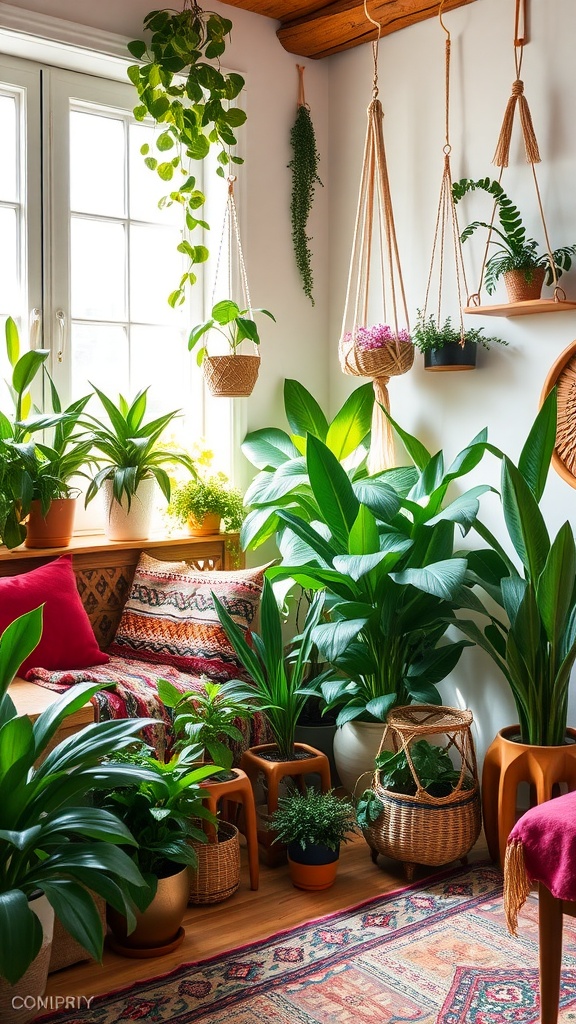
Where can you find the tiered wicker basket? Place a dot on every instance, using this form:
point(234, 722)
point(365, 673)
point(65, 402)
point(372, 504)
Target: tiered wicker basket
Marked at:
point(424, 829)
point(218, 873)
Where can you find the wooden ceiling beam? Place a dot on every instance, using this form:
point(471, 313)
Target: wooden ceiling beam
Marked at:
point(316, 29)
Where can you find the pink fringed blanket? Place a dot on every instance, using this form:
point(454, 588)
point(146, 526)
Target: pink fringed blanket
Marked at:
point(541, 848)
point(132, 694)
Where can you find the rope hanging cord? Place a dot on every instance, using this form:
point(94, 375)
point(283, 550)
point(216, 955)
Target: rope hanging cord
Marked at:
point(231, 233)
point(384, 350)
point(518, 101)
point(446, 217)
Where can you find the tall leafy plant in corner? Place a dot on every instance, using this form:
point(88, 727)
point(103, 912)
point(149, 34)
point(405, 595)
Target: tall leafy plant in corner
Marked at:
point(181, 86)
point(535, 648)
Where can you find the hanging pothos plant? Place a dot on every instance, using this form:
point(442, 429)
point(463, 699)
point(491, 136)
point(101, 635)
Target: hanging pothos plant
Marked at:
point(304, 167)
point(189, 99)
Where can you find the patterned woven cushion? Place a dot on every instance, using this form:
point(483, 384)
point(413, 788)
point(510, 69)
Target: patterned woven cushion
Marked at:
point(170, 618)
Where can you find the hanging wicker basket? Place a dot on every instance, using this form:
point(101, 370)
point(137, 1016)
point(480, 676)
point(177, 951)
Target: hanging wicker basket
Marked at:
point(231, 376)
point(217, 875)
point(424, 829)
point(391, 360)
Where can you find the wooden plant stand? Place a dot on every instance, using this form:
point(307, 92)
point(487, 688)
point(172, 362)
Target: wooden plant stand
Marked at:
point(253, 764)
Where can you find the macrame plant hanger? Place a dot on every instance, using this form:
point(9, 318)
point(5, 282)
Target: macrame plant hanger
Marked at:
point(374, 261)
point(446, 227)
point(518, 101)
point(232, 376)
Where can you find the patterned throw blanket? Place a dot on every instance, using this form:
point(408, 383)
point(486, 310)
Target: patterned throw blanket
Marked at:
point(131, 693)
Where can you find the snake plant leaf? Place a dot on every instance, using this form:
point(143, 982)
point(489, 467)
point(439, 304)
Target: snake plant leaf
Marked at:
point(352, 423)
point(332, 490)
point(536, 454)
point(418, 453)
point(524, 520)
point(556, 584)
point(303, 412)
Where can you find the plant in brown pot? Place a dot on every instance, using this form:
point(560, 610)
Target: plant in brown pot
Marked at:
point(204, 504)
point(313, 825)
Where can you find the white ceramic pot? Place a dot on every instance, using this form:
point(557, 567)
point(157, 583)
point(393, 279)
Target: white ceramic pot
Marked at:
point(19, 1002)
point(133, 524)
point(355, 747)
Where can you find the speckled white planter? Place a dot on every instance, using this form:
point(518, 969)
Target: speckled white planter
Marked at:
point(121, 524)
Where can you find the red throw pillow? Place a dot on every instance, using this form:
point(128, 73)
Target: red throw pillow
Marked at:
point(67, 639)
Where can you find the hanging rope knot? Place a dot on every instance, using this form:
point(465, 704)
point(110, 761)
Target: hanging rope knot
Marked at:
point(231, 180)
point(518, 87)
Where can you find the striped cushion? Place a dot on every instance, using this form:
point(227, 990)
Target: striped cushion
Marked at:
point(170, 618)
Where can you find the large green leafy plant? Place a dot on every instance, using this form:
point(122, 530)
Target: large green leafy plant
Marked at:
point(533, 640)
point(386, 561)
point(514, 250)
point(50, 838)
point(205, 717)
point(181, 86)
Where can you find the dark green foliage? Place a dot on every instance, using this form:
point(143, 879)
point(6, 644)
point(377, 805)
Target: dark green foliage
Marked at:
point(202, 718)
point(429, 336)
point(368, 808)
point(432, 765)
point(304, 167)
point(313, 819)
point(515, 250)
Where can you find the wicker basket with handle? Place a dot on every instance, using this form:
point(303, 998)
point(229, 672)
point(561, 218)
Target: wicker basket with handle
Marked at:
point(217, 875)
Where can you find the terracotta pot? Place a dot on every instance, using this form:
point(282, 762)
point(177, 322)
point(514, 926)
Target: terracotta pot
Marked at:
point(452, 357)
point(508, 763)
point(314, 868)
point(55, 529)
point(521, 290)
point(210, 523)
point(18, 1003)
point(158, 929)
point(123, 523)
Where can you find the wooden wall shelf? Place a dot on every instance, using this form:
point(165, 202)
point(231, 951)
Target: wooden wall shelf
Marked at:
point(316, 28)
point(523, 308)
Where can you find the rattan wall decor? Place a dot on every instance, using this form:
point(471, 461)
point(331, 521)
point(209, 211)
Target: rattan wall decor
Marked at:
point(562, 375)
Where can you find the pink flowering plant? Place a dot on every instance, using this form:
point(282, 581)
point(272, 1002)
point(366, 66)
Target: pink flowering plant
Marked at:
point(377, 336)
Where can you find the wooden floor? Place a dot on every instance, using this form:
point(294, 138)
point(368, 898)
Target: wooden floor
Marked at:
point(246, 917)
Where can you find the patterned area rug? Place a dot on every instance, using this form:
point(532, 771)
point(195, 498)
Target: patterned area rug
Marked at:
point(436, 952)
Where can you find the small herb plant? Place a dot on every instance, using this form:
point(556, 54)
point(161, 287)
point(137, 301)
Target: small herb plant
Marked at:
point(213, 496)
point(202, 718)
point(234, 324)
point(304, 167)
point(313, 819)
point(514, 250)
point(430, 335)
point(189, 99)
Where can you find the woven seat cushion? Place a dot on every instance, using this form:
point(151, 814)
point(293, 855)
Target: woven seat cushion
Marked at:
point(170, 617)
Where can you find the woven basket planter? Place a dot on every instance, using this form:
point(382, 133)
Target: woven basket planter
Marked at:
point(217, 875)
point(521, 290)
point(231, 376)
point(392, 360)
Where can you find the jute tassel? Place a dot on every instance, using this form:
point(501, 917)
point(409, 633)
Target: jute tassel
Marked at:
point(517, 884)
point(502, 154)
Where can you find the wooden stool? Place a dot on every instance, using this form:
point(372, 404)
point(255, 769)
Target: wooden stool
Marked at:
point(274, 771)
point(506, 765)
point(240, 791)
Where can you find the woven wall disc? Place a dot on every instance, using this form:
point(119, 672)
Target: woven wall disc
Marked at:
point(563, 374)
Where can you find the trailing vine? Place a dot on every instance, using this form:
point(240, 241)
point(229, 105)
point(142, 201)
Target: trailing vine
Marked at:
point(190, 99)
point(304, 167)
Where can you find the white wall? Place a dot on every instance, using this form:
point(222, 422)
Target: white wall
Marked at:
point(447, 409)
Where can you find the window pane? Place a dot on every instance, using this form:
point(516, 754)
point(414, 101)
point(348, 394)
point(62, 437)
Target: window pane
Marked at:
point(9, 161)
point(160, 357)
point(97, 160)
point(155, 270)
point(99, 357)
point(98, 270)
point(10, 300)
point(146, 188)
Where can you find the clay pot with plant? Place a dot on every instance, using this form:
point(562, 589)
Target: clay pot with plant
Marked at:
point(235, 374)
point(313, 825)
point(203, 505)
point(517, 258)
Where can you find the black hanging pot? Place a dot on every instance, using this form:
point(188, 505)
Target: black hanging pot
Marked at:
point(452, 356)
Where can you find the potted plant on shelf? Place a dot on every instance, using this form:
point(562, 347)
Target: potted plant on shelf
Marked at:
point(447, 347)
point(163, 812)
point(203, 504)
point(181, 86)
point(132, 462)
point(233, 375)
point(313, 825)
point(205, 719)
point(530, 637)
point(517, 258)
point(53, 844)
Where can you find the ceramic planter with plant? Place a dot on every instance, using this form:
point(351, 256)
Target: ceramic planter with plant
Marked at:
point(52, 840)
point(531, 636)
point(313, 825)
point(233, 375)
point(132, 461)
point(163, 812)
point(182, 87)
point(517, 258)
point(447, 347)
point(204, 504)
